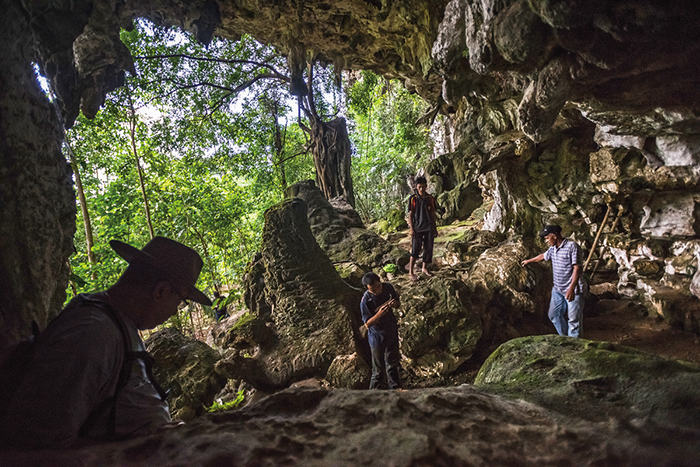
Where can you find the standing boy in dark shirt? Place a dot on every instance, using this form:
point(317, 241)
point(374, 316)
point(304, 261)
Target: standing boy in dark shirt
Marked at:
point(423, 225)
point(380, 323)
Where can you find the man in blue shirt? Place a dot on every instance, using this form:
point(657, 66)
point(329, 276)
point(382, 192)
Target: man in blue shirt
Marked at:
point(566, 304)
point(380, 323)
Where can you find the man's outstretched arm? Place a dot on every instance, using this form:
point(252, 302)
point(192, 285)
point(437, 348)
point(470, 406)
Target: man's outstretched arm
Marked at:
point(536, 259)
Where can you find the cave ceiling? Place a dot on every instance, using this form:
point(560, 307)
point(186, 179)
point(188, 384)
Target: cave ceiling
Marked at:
point(627, 64)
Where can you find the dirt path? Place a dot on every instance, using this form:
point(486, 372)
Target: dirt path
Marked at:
point(626, 322)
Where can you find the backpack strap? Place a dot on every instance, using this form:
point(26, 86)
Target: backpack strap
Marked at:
point(124, 373)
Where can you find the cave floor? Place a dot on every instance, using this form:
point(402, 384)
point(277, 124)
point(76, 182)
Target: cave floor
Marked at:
point(625, 322)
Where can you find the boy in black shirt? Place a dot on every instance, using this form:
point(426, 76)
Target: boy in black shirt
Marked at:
point(380, 322)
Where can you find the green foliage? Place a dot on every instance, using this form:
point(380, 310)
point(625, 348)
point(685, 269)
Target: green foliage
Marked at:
point(206, 143)
point(389, 146)
point(222, 407)
point(217, 139)
point(246, 318)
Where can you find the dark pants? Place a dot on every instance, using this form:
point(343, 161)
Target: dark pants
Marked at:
point(424, 239)
point(385, 365)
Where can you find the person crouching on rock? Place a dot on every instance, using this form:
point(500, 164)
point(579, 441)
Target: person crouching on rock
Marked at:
point(380, 323)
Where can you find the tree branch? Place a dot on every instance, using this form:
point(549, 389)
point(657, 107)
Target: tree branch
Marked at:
point(215, 60)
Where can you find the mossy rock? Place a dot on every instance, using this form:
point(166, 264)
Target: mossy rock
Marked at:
point(594, 380)
point(397, 220)
point(245, 332)
point(185, 367)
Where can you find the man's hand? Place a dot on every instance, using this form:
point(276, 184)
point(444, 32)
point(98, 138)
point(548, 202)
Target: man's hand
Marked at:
point(570, 295)
point(364, 330)
point(525, 262)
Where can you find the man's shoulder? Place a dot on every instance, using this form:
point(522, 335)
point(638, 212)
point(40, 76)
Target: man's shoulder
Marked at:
point(85, 313)
point(571, 244)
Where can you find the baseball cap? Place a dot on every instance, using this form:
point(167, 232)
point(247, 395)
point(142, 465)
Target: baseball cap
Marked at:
point(549, 229)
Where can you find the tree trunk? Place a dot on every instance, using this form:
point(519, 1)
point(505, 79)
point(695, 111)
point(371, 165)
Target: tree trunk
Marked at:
point(83, 204)
point(331, 150)
point(132, 132)
point(279, 151)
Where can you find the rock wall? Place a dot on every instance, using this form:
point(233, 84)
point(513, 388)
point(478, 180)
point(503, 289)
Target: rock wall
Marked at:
point(458, 426)
point(37, 203)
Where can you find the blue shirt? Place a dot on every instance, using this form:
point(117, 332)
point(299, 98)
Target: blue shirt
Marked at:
point(386, 329)
point(563, 258)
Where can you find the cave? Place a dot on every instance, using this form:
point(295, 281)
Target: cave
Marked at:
point(564, 112)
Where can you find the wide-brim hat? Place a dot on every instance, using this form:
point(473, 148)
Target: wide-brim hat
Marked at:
point(178, 263)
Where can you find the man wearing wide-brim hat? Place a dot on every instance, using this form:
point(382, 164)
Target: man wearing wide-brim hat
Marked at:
point(566, 304)
point(90, 376)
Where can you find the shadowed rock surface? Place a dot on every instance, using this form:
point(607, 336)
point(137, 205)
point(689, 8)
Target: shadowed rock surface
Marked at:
point(293, 287)
point(459, 426)
point(341, 234)
point(466, 311)
point(185, 367)
point(595, 380)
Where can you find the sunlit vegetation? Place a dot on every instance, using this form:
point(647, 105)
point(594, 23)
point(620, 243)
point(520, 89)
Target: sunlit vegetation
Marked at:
point(201, 141)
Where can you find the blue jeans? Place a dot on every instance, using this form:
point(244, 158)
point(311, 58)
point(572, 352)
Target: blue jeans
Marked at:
point(566, 316)
point(385, 366)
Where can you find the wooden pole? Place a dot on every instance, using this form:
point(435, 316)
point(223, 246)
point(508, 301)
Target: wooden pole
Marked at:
point(595, 242)
point(620, 210)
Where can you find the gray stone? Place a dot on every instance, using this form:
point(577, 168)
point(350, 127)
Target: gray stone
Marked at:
point(595, 380)
point(293, 287)
point(429, 427)
point(349, 371)
point(671, 215)
point(185, 367)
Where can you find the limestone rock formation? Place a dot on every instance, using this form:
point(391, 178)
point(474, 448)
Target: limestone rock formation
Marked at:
point(465, 312)
point(659, 272)
point(185, 367)
point(293, 287)
point(37, 201)
point(342, 235)
point(595, 380)
point(349, 371)
point(456, 426)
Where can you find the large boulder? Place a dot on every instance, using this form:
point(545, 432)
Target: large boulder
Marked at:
point(310, 314)
point(457, 426)
point(341, 234)
point(465, 312)
point(595, 380)
point(440, 324)
point(185, 366)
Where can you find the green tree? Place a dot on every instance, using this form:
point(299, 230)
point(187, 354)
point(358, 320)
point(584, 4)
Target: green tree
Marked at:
point(389, 144)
